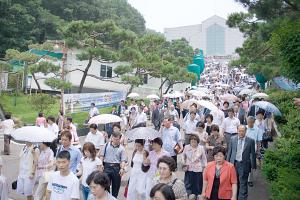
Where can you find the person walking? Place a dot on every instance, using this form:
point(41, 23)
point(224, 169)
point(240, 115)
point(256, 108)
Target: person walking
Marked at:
point(27, 168)
point(162, 191)
point(166, 167)
point(6, 127)
point(219, 178)
point(45, 167)
point(151, 161)
point(52, 126)
point(93, 111)
point(137, 178)
point(201, 133)
point(66, 145)
point(256, 134)
point(121, 108)
point(63, 184)
point(157, 116)
point(230, 125)
point(100, 186)
point(189, 127)
point(95, 137)
point(89, 163)
point(194, 162)
point(241, 153)
point(73, 131)
point(113, 157)
point(60, 121)
point(41, 120)
point(215, 139)
point(171, 137)
point(141, 118)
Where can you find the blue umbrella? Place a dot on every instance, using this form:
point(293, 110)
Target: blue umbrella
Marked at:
point(267, 106)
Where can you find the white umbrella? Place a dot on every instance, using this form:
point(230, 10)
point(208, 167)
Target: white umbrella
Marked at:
point(105, 119)
point(187, 103)
point(260, 96)
point(209, 105)
point(175, 94)
point(152, 96)
point(229, 97)
point(203, 89)
point(145, 133)
point(246, 91)
point(225, 85)
point(33, 134)
point(133, 95)
point(197, 93)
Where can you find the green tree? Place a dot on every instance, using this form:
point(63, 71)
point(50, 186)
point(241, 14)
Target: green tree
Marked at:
point(41, 102)
point(23, 23)
point(269, 48)
point(97, 41)
point(151, 55)
point(120, 11)
point(35, 65)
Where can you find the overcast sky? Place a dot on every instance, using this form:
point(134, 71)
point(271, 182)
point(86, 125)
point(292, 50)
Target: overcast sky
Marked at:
point(160, 14)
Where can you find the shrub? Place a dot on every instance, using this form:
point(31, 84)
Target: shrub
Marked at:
point(281, 164)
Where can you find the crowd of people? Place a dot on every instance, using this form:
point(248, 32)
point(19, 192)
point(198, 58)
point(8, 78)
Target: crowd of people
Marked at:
point(217, 150)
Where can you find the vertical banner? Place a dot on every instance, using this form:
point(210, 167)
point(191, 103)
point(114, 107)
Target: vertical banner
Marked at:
point(74, 103)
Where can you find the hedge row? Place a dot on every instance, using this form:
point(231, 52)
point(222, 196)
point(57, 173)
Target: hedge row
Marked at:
point(282, 163)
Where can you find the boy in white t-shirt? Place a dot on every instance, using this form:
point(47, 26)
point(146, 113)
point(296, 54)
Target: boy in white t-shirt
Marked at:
point(63, 184)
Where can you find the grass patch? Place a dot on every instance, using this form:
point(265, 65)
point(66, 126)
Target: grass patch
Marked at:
point(20, 108)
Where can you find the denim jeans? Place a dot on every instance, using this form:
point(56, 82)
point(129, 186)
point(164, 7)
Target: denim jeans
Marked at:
point(85, 192)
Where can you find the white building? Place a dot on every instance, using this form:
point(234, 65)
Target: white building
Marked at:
point(213, 36)
point(103, 70)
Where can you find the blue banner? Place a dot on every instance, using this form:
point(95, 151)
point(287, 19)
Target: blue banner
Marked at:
point(74, 103)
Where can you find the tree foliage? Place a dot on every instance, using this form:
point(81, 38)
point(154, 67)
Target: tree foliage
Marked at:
point(281, 164)
point(97, 41)
point(36, 65)
point(41, 102)
point(35, 21)
point(151, 55)
point(269, 49)
point(119, 11)
point(23, 23)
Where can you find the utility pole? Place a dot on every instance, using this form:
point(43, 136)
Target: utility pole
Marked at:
point(62, 91)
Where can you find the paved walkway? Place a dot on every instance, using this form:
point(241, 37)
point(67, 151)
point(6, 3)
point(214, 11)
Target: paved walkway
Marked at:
point(11, 165)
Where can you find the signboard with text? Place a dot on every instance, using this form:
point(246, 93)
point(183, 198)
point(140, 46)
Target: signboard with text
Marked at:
point(74, 103)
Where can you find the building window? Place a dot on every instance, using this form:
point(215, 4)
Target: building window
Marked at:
point(106, 71)
point(215, 40)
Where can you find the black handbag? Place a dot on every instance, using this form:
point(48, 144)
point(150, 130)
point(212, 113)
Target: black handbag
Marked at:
point(145, 168)
point(14, 185)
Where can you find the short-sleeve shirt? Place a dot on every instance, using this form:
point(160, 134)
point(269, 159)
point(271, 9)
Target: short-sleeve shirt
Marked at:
point(113, 154)
point(63, 187)
point(170, 136)
point(230, 125)
point(97, 139)
point(7, 126)
point(88, 166)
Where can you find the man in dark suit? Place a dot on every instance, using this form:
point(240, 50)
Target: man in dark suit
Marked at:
point(241, 153)
point(157, 116)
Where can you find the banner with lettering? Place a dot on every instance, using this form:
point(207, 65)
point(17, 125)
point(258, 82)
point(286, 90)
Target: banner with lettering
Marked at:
point(74, 103)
